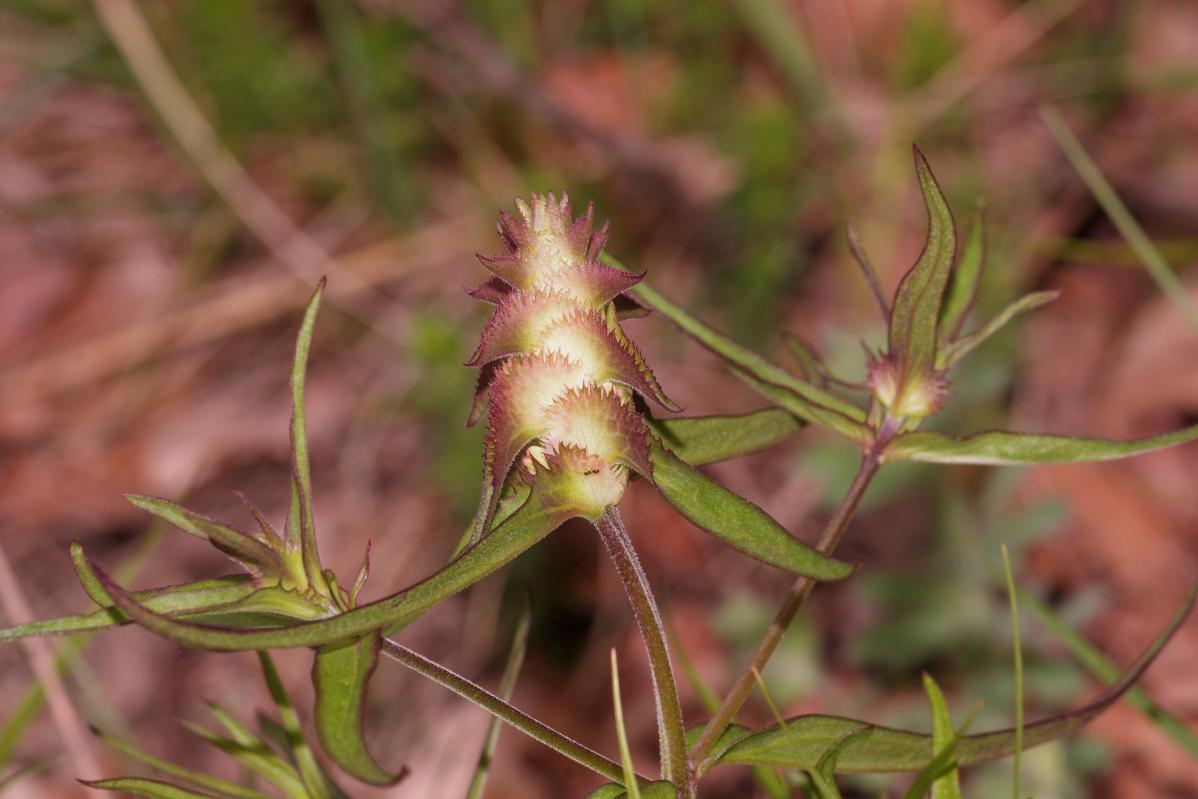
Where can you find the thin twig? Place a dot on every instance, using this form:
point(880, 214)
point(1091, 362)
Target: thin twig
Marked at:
point(42, 658)
point(870, 463)
point(671, 727)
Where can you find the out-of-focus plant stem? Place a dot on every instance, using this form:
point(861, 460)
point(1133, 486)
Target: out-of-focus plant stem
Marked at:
point(828, 541)
point(671, 727)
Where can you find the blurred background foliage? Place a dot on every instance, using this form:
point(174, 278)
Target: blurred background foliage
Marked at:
point(146, 313)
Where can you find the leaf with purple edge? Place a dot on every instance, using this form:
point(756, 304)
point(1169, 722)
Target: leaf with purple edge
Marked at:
point(890, 750)
point(1004, 448)
point(542, 513)
point(340, 677)
point(736, 521)
point(915, 314)
point(301, 525)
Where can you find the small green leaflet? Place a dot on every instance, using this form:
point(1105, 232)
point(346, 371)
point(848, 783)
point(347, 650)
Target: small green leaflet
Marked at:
point(954, 351)
point(736, 521)
point(1000, 447)
point(963, 285)
point(340, 676)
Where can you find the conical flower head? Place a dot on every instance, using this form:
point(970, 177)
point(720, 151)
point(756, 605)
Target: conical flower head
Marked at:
point(559, 373)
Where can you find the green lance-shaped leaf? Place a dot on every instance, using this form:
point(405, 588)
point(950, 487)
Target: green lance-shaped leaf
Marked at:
point(740, 356)
point(965, 280)
point(699, 440)
point(736, 521)
point(806, 738)
point(915, 317)
point(789, 401)
point(540, 515)
point(236, 544)
point(340, 676)
point(218, 786)
point(150, 789)
point(291, 736)
point(956, 350)
point(822, 776)
point(1000, 447)
point(172, 600)
point(301, 527)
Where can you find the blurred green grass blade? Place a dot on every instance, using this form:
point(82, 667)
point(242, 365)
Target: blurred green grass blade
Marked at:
point(150, 789)
point(782, 38)
point(956, 350)
point(631, 785)
point(1000, 447)
point(319, 784)
point(1119, 214)
point(340, 678)
point(736, 521)
point(205, 781)
point(1017, 649)
point(890, 750)
point(507, 684)
point(1104, 669)
point(700, 440)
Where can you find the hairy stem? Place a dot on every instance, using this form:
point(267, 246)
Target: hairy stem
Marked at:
point(828, 541)
point(671, 727)
point(502, 710)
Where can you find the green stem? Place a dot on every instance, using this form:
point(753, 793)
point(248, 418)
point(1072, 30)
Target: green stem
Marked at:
point(501, 709)
point(671, 727)
point(870, 463)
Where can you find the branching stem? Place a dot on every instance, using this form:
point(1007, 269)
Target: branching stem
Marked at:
point(671, 728)
point(870, 463)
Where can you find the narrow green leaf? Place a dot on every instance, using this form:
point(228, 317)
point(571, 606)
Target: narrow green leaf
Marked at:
point(958, 349)
point(301, 526)
point(252, 753)
point(787, 400)
point(236, 544)
point(1001, 447)
point(966, 278)
point(317, 782)
point(340, 676)
point(948, 784)
point(806, 738)
point(150, 789)
point(175, 599)
point(823, 775)
point(536, 518)
point(739, 355)
point(915, 316)
point(507, 684)
point(215, 784)
point(707, 439)
point(1104, 669)
point(736, 521)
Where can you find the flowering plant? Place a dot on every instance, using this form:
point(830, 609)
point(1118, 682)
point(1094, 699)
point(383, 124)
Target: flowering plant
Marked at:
point(567, 397)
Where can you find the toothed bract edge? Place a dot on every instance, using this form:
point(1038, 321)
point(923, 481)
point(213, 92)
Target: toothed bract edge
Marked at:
point(559, 371)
